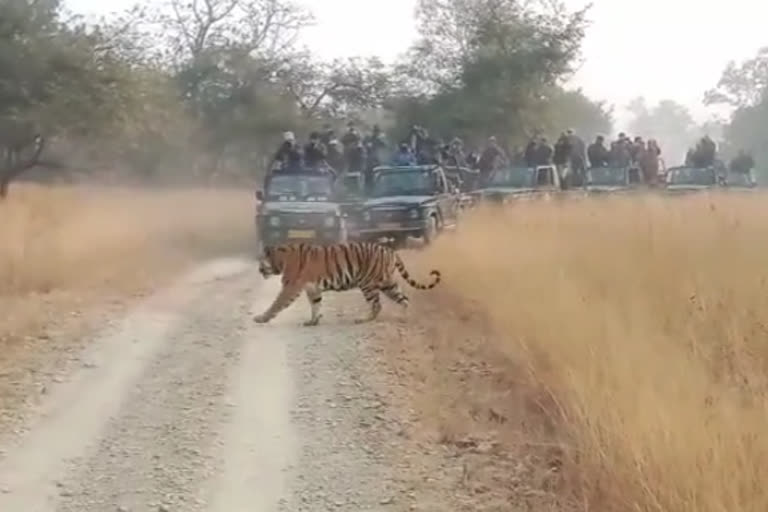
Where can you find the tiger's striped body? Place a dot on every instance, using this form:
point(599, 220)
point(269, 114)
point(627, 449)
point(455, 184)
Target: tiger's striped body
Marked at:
point(339, 267)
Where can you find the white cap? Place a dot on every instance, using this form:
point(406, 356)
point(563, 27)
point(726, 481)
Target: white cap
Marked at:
point(289, 136)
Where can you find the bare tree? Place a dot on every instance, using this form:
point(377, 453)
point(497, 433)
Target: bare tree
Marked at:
point(336, 88)
point(198, 28)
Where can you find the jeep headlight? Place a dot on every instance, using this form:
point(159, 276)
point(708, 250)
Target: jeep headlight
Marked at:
point(413, 214)
point(330, 222)
point(274, 221)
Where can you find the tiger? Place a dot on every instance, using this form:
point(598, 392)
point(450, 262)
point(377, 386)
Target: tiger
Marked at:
point(337, 267)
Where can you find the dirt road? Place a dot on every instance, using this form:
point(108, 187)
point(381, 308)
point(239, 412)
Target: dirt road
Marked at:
point(186, 405)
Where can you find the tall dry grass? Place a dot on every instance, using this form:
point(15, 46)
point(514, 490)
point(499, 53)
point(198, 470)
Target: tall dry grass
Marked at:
point(645, 321)
point(59, 245)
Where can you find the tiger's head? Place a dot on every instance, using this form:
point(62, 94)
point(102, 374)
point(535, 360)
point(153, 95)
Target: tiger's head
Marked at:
point(272, 261)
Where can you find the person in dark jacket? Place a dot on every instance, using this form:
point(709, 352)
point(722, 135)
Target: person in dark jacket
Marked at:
point(335, 156)
point(357, 158)
point(544, 152)
point(742, 163)
point(404, 157)
point(562, 151)
point(351, 137)
point(529, 155)
point(597, 153)
point(314, 152)
point(327, 135)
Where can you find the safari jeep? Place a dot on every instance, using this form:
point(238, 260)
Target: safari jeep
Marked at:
point(612, 180)
point(740, 182)
point(514, 183)
point(409, 202)
point(296, 207)
point(685, 180)
point(350, 194)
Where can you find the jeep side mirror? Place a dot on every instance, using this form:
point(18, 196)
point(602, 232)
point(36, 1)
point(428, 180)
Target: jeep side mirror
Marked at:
point(260, 195)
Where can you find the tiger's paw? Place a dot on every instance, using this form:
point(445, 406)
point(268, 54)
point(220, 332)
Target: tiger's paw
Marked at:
point(260, 319)
point(312, 321)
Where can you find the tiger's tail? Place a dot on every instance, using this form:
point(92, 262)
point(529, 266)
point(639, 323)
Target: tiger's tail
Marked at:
point(403, 272)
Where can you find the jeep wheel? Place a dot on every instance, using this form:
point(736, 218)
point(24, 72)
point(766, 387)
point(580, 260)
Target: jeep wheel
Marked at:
point(430, 232)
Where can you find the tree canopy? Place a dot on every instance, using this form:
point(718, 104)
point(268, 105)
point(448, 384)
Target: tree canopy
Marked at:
point(744, 88)
point(203, 88)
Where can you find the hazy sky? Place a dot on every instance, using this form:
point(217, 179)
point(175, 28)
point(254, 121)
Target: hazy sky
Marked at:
point(656, 48)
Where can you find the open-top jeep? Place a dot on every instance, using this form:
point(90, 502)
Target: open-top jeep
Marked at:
point(740, 181)
point(684, 179)
point(514, 183)
point(412, 201)
point(611, 180)
point(299, 207)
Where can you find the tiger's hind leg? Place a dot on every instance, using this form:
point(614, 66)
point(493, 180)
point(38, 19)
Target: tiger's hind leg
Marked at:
point(285, 298)
point(393, 292)
point(372, 298)
point(315, 298)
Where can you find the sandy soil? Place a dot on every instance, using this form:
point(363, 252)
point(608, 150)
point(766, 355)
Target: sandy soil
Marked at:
point(185, 404)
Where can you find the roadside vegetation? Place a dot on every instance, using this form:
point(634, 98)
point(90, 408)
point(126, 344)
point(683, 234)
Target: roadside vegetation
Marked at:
point(66, 248)
point(618, 347)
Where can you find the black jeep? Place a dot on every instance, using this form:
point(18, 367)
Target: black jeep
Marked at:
point(414, 201)
point(299, 206)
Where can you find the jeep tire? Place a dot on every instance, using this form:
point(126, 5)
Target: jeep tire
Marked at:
point(430, 231)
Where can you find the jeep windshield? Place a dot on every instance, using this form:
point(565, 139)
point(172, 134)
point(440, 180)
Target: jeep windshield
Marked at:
point(404, 183)
point(517, 178)
point(691, 176)
point(350, 186)
point(607, 177)
point(299, 188)
point(739, 180)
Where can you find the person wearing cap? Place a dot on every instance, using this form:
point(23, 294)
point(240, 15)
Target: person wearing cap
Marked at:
point(288, 155)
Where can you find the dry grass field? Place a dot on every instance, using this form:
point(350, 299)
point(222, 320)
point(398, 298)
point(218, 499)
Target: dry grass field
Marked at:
point(617, 347)
point(65, 248)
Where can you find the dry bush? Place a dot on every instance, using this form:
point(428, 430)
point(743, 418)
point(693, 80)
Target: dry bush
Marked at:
point(63, 245)
point(641, 325)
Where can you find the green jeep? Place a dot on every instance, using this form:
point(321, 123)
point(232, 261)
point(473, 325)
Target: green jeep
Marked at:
point(686, 180)
point(299, 207)
point(414, 201)
point(516, 183)
point(612, 180)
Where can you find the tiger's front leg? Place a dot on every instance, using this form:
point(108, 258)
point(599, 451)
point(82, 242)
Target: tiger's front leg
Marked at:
point(315, 298)
point(285, 298)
